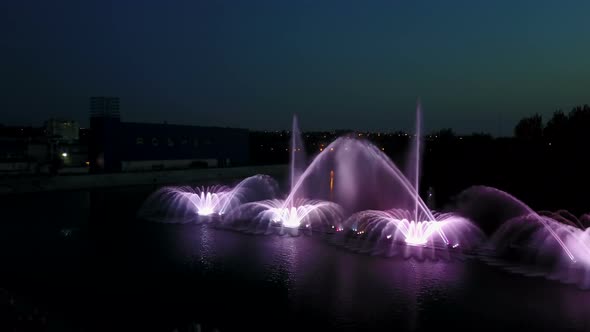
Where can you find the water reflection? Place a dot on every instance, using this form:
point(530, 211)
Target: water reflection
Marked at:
point(348, 290)
point(177, 274)
point(343, 290)
point(284, 262)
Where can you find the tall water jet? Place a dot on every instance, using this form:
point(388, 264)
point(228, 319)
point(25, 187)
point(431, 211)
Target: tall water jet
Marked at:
point(416, 158)
point(297, 162)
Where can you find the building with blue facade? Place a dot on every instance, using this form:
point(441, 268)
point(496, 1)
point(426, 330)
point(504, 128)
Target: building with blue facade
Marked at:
point(125, 146)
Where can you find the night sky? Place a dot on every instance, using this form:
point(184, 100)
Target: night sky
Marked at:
point(476, 65)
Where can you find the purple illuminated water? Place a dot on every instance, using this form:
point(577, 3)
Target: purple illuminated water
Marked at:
point(114, 273)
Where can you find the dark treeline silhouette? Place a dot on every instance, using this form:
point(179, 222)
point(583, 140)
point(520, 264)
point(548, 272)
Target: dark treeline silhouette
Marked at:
point(572, 128)
point(554, 159)
point(547, 165)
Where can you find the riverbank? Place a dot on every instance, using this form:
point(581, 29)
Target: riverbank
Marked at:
point(88, 181)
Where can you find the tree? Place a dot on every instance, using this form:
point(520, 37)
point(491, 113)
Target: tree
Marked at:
point(557, 128)
point(530, 128)
point(443, 135)
point(481, 136)
point(579, 122)
point(446, 134)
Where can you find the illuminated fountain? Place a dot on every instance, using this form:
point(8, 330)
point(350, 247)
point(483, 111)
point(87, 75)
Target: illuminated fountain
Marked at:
point(360, 178)
point(386, 215)
point(293, 214)
point(273, 216)
point(409, 229)
point(552, 245)
point(353, 176)
point(182, 204)
point(396, 232)
point(207, 201)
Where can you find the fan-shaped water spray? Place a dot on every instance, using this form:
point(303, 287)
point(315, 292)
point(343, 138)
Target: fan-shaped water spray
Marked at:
point(182, 204)
point(526, 245)
point(206, 203)
point(546, 244)
point(266, 216)
point(289, 215)
point(383, 232)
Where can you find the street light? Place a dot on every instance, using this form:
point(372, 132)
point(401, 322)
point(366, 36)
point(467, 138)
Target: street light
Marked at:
point(64, 154)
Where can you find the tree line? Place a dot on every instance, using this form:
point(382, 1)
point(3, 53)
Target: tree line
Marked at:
point(561, 127)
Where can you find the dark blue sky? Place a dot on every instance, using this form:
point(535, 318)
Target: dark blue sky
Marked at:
point(476, 65)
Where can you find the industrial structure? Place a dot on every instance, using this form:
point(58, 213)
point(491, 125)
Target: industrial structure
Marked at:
point(117, 146)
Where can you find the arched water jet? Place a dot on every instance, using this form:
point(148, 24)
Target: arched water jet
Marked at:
point(525, 210)
point(253, 188)
point(536, 244)
point(336, 156)
point(525, 246)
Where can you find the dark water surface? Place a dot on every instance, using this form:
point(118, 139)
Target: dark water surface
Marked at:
point(84, 260)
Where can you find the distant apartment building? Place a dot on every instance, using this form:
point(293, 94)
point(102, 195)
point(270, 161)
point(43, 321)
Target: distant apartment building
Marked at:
point(66, 131)
point(116, 146)
point(21, 149)
point(104, 107)
point(52, 148)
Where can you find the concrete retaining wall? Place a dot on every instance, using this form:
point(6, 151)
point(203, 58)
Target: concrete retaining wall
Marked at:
point(88, 181)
